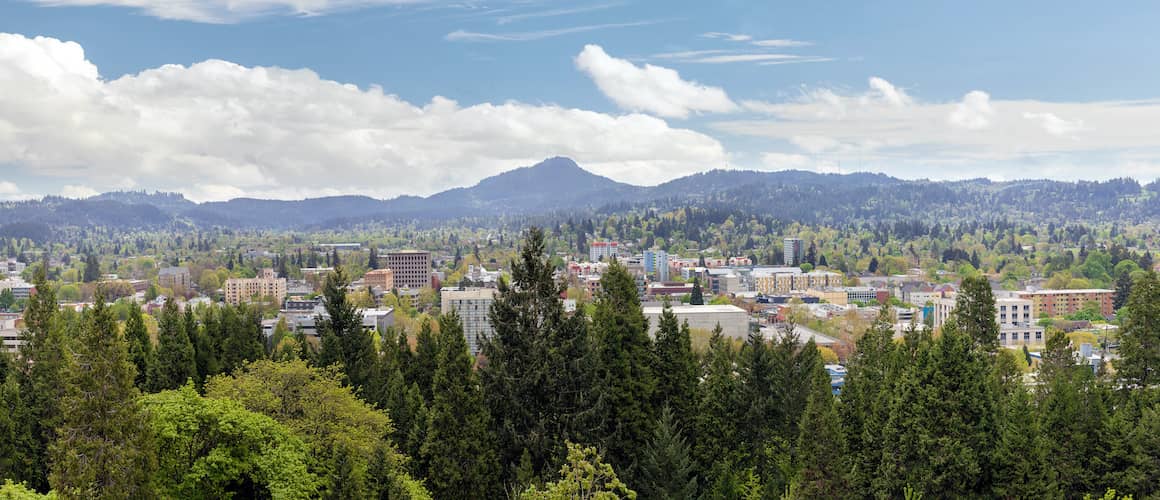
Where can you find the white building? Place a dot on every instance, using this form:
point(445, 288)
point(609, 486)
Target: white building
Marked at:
point(792, 250)
point(1015, 316)
point(473, 305)
point(603, 250)
point(10, 340)
point(656, 264)
point(734, 320)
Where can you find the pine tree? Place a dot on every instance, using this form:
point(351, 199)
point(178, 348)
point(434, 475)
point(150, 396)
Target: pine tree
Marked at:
point(667, 468)
point(48, 351)
point(19, 442)
point(975, 312)
point(140, 346)
point(426, 360)
point(866, 398)
point(820, 453)
point(762, 412)
point(626, 384)
point(458, 450)
point(392, 392)
point(697, 298)
point(1020, 455)
point(344, 341)
point(1123, 291)
point(103, 449)
point(1140, 335)
point(717, 419)
point(676, 368)
point(1072, 410)
point(175, 363)
point(205, 352)
point(243, 341)
point(373, 259)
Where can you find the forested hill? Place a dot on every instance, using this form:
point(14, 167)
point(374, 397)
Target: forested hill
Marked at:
point(559, 185)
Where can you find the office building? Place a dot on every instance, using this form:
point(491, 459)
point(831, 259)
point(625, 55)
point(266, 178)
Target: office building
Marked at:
point(734, 320)
point(412, 268)
point(174, 278)
point(383, 279)
point(266, 286)
point(473, 305)
point(792, 250)
point(656, 264)
point(1053, 303)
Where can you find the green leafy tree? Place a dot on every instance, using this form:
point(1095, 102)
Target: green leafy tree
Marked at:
point(7, 299)
point(626, 384)
point(667, 467)
point(140, 347)
point(676, 368)
point(103, 447)
point(975, 312)
point(175, 357)
point(459, 453)
point(583, 477)
point(215, 448)
point(1140, 335)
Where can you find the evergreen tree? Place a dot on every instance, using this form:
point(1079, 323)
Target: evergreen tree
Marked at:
point(92, 271)
point(19, 442)
point(344, 341)
point(975, 312)
point(667, 468)
point(140, 346)
point(402, 400)
point(1020, 455)
point(1123, 291)
point(49, 355)
point(426, 360)
point(458, 450)
point(373, 259)
point(820, 455)
point(103, 448)
point(1072, 410)
point(243, 341)
point(762, 412)
point(697, 298)
point(1140, 335)
point(626, 384)
point(676, 368)
point(175, 362)
point(538, 379)
point(873, 267)
point(866, 398)
point(205, 352)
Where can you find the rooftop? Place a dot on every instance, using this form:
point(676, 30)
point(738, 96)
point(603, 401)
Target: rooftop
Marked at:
point(705, 309)
point(1065, 292)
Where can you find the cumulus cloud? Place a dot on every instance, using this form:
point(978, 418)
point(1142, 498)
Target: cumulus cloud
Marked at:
point(1055, 125)
point(653, 89)
point(229, 11)
point(215, 130)
point(974, 112)
point(889, 93)
point(79, 192)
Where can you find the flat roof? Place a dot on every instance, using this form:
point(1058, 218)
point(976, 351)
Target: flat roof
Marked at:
point(1064, 292)
point(705, 309)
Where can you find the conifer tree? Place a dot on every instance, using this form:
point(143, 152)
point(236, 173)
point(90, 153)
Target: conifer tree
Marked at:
point(676, 368)
point(697, 298)
point(820, 453)
point(392, 392)
point(458, 450)
point(1123, 291)
point(762, 412)
point(205, 353)
point(19, 442)
point(426, 360)
point(140, 346)
point(49, 353)
point(668, 471)
point(1140, 335)
point(103, 447)
point(1020, 455)
point(175, 362)
point(626, 384)
point(866, 397)
point(244, 339)
point(344, 341)
point(1072, 409)
point(717, 418)
point(975, 312)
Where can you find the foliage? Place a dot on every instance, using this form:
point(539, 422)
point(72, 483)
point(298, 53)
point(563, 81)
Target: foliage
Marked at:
point(583, 477)
point(667, 467)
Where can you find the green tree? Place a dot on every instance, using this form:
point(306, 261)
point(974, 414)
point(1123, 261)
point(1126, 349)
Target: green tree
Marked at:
point(215, 448)
point(103, 447)
point(697, 298)
point(175, 359)
point(667, 467)
point(7, 299)
point(676, 368)
point(19, 442)
point(975, 312)
point(1140, 335)
point(50, 356)
point(140, 346)
point(426, 359)
point(1123, 290)
point(242, 338)
point(1072, 410)
point(872, 371)
point(820, 457)
point(344, 341)
point(583, 477)
point(458, 451)
point(626, 384)
point(718, 417)
point(1019, 459)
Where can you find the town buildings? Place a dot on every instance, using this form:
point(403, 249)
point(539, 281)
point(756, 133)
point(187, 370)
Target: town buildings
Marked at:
point(1016, 317)
point(1053, 303)
point(266, 285)
point(473, 305)
point(380, 278)
point(174, 278)
point(412, 268)
point(603, 250)
point(20, 289)
point(734, 320)
point(656, 264)
point(779, 280)
point(792, 251)
point(11, 326)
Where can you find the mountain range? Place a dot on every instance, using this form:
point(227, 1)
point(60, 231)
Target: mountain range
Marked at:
point(560, 186)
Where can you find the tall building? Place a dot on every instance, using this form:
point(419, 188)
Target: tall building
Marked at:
point(1015, 316)
point(603, 250)
point(656, 264)
point(266, 285)
point(174, 278)
point(383, 279)
point(473, 305)
point(1052, 303)
point(792, 251)
point(412, 268)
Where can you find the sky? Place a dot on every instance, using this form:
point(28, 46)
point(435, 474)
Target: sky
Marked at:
point(288, 99)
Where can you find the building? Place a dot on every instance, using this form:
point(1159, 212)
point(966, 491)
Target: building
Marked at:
point(734, 320)
point(668, 288)
point(380, 278)
point(473, 305)
point(866, 294)
point(12, 267)
point(781, 280)
point(174, 278)
point(1053, 303)
point(20, 289)
point(1016, 318)
point(792, 251)
point(603, 250)
point(412, 268)
point(656, 264)
point(266, 285)
point(10, 327)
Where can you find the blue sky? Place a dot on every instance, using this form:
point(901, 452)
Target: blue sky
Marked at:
point(294, 98)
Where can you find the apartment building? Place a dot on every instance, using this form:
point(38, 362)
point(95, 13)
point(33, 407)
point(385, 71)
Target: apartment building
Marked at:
point(792, 251)
point(603, 250)
point(175, 278)
point(776, 280)
point(1016, 317)
point(383, 279)
point(1052, 303)
point(473, 305)
point(656, 264)
point(266, 285)
point(412, 268)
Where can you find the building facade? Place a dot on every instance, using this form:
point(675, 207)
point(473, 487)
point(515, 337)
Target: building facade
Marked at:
point(792, 251)
point(603, 250)
point(174, 278)
point(473, 305)
point(380, 278)
point(266, 285)
point(656, 264)
point(412, 268)
point(1052, 303)
point(734, 320)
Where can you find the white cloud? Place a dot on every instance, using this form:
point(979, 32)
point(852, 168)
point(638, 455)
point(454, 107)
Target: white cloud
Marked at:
point(78, 192)
point(1055, 125)
point(781, 43)
point(653, 89)
point(784, 161)
point(527, 36)
point(733, 58)
point(216, 129)
point(732, 37)
point(974, 112)
point(883, 128)
point(229, 11)
point(511, 18)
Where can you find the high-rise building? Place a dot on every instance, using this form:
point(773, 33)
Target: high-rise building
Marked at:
point(473, 305)
point(412, 268)
point(266, 285)
point(656, 264)
point(792, 251)
point(603, 250)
